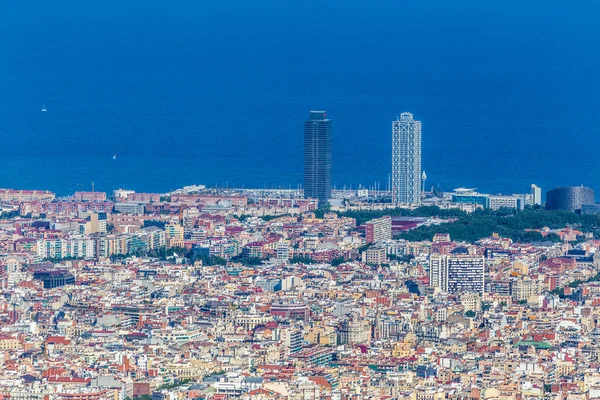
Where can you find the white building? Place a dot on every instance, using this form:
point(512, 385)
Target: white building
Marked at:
point(457, 273)
point(499, 201)
point(66, 248)
point(130, 208)
point(122, 194)
point(436, 275)
point(536, 194)
point(283, 250)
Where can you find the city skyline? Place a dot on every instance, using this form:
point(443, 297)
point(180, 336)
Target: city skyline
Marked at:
point(181, 218)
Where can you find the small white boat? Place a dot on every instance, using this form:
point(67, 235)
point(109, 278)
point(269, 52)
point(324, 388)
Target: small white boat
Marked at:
point(44, 108)
point(115, 157)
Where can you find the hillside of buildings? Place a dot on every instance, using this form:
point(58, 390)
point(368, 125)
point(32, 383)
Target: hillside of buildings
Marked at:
point(260, 295)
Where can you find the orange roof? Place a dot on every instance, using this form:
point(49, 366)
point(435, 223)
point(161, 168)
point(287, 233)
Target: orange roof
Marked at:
point(58, 340)
point(53, 371)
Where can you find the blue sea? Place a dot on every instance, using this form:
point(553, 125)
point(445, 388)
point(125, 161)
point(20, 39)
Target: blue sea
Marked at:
point(215, 92)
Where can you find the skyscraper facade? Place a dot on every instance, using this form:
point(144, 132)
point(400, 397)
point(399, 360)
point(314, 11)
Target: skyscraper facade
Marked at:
point(406, 160)
point(457, 274)
point(464, 273)
point(317, 157)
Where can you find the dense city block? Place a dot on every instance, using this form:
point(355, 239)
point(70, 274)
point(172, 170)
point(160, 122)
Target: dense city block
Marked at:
point(262, 294)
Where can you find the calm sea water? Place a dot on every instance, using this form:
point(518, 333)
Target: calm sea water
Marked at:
point(215, 92)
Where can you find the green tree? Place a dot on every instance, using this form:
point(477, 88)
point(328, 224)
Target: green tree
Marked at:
point(250, 261)
point(337, 261)
point(153, 222)
point(363, 216)
point(481, 224)
point(268, 218)
point(9, 214)
point(242, 218)
point(321, 211)
point(302, 260)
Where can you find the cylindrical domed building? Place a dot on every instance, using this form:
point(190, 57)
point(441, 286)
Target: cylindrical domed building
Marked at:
point(569, 198)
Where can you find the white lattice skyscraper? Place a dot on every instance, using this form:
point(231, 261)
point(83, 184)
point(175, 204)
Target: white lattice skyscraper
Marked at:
point(406, 160)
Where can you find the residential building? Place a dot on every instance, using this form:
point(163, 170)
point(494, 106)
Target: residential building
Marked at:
point(292, 339)
point(464, 273)
point(90, 196)
point(436, 271)
point(457, 273)
point(95, 223)
point(11, 195)
point(130, 208)
point(354, 331)
point(375, 256)
point(523, 289)
point(174, 232)
point(378, 230)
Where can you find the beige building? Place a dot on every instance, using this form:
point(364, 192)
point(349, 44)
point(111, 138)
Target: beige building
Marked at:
point(471, 301)
point(374, 255)
point(96, 223)
point(9, 343)
point(25, 195)
point(322, 335)
point(354, 331)
point(174, 235)
point(523, 289)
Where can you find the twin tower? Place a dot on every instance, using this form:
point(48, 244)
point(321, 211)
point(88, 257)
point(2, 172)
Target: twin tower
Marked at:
point(406, 158)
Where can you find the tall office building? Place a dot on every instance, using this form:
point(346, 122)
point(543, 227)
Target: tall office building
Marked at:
point(536, 194)
point(317, 157)
point(406, 160)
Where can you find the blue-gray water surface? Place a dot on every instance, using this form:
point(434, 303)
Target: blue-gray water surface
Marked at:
point(216, 92)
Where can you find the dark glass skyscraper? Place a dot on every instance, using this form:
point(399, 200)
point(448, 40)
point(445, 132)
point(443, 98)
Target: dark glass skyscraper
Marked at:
point(317, 157)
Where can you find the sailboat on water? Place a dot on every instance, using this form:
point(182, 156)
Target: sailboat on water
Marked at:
point(44, 108)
